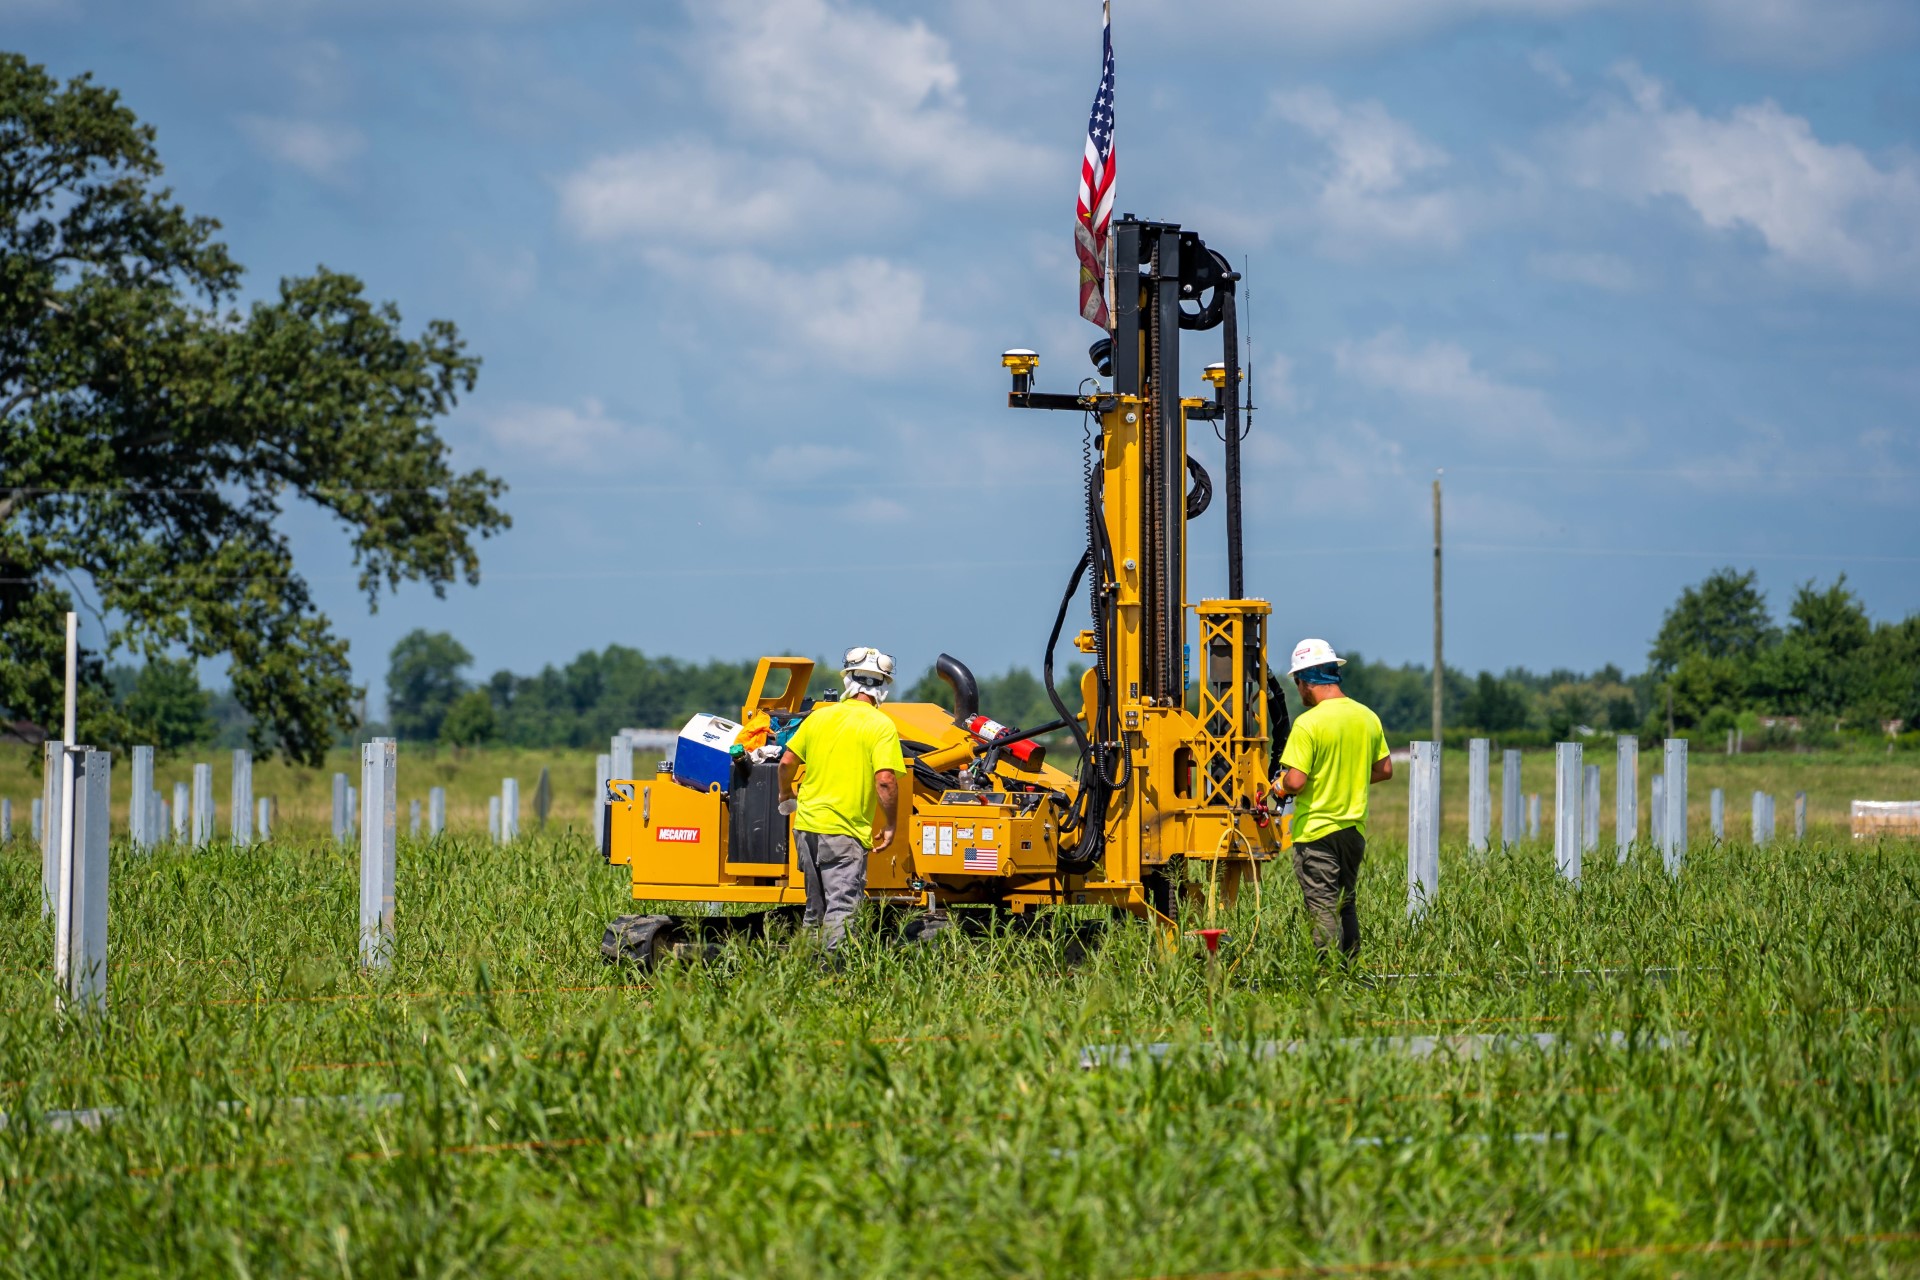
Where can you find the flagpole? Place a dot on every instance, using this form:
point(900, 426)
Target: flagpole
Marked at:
point(1106, 286)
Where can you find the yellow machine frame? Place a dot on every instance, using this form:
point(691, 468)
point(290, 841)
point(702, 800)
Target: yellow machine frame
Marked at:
point(1196, 776)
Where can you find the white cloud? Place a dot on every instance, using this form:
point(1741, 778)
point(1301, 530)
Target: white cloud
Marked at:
point(1806, 32)
point(854, 86)
point(1442, 377)
point(692, 190)
point(863, 314)
point(1796, 33)
point(1608, 271)
point(1826, 210)
point(689, 189)
point(562, 435)
point(319, 149)
point(1548, 68)
point(1345, 24)
point(1378, 181)
point(805, 463)
point(1274, 387)
point(875, 509)
point(1357, 468)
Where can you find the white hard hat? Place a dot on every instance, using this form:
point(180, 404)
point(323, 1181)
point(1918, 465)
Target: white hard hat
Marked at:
point(866, 670)
point(1313, 653)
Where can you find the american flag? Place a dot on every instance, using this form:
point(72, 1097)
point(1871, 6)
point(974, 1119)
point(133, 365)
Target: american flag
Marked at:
point(977, 859)
point(1095, 214)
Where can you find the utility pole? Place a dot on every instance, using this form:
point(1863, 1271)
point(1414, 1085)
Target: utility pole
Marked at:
point(1439, 661)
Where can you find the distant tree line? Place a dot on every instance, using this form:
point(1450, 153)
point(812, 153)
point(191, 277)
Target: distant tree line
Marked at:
point(1718, 662)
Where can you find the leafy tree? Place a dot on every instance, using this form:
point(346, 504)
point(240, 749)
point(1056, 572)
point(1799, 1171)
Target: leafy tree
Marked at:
point(1495, 705)
point(423, 679)
point(168, 707)
point(1724, 617)
point(1834, 621)
point(470, 721)
point(153, 432)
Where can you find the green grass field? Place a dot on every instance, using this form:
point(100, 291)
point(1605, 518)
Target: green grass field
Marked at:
point(1719, 1075)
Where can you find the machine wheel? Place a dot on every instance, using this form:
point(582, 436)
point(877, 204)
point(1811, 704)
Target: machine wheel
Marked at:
point(926, 926)
point(641, 941)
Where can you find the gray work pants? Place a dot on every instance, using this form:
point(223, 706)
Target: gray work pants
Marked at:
point(835, 869)
point(1328, 868)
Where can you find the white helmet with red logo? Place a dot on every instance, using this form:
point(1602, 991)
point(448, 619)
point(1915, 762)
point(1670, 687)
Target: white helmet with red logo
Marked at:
point(1314, 653)
point(866, 670)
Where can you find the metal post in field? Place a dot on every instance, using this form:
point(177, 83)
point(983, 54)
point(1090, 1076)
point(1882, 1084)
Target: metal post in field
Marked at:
point(263, 819)
point(1799, 816)
point(156, 816)
point(166, 816)
point(379, 760)
point(1657, 811)
point(1674, 826)
point(202, 805)
point(340, 820)
point(1717, 811)
point(1569, 786)
point(243, 797)
point(602, 774)
point(1439, 663)
point(493, 818)
point(140, 807)
point(353, 810)
point(1590, 812)
point(1729, 742)
point(1423, 826)
point(1626, 797)
point(1533, 816)
point(53, 756)
point(1760, 818)
point(6, 821)
point(1479, 794)
point(436, 811)
point(80, 924)
point(620, 757)
point(1511, 816)
point(509, 810)
point(182, 812)
point(34, 817)
point(413, 818)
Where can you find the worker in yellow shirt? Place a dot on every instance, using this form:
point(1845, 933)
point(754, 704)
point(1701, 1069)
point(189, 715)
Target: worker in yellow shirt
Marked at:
point(1336, 751)
point(850, 794)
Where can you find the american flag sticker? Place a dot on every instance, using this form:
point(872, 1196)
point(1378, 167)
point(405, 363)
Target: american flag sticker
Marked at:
point(978, 859)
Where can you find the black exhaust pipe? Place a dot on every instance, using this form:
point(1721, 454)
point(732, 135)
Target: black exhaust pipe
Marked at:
point(966, 691)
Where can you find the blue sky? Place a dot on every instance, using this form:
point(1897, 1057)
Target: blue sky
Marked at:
point(1643, 277)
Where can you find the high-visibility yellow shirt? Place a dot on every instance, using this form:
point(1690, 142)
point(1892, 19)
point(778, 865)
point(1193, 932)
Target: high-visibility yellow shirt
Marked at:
point(843, 745)
point(1335, 743)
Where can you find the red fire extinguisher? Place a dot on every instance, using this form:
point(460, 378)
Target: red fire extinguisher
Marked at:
point(1027, 752)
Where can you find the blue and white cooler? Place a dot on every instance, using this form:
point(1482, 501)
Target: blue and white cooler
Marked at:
point(701, 755)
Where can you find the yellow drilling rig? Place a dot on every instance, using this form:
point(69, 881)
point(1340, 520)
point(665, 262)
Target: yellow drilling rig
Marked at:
point(1168, 793)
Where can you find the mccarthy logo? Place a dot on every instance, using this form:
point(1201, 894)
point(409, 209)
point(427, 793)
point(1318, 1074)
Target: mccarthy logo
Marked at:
point(678, 835)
